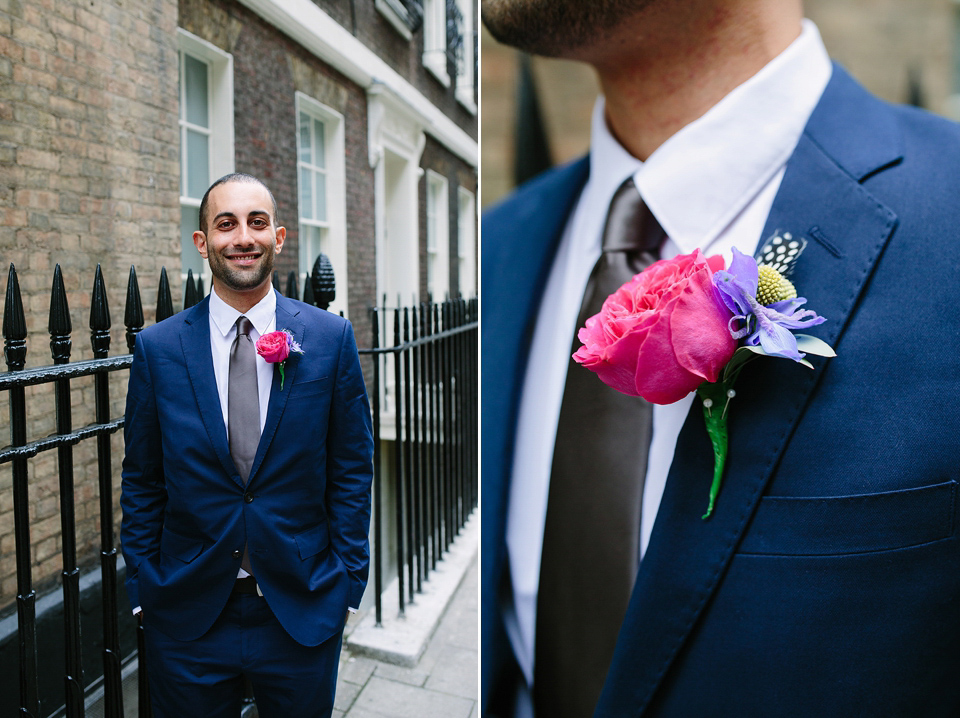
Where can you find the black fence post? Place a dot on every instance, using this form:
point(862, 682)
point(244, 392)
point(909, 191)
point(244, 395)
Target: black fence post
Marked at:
point(190, 295)
point(398, 456)
point(60, 328)
point(100, 339)
point(133, 310)
point(15, 354)
point(407, 451)
point(164, 298)
point(377, 532)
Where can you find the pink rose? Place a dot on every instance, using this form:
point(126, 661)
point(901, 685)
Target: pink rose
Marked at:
point(274, 346)
point(663, 333)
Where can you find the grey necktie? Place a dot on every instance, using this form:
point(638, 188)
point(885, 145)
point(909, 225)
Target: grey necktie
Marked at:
point(591, 536)
point(243, 407)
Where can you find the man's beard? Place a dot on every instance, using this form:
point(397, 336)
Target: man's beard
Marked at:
point(555, 28)
point(241, 279)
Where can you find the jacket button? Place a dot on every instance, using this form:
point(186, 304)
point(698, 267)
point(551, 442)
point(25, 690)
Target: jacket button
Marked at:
point(237, 555)
point(248, 497)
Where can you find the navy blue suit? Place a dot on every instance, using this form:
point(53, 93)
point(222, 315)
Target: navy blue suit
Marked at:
point(304, 512)
point(828, 580)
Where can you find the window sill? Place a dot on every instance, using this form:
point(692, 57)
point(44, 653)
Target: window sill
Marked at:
point(465, 97)
point(394, 18)
point(436, 64)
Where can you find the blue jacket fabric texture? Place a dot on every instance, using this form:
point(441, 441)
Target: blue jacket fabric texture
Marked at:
point(827, 581)
point(305, 510)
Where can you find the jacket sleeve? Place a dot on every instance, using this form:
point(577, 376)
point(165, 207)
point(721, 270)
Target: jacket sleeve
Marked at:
point(350, 467)
point(143, 493)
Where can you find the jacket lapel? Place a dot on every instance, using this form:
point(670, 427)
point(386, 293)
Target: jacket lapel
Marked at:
point(287, 318)
point(195, 342)
point(515, 271)
point(849, 137)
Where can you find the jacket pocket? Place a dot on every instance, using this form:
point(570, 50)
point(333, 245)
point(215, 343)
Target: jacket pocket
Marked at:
point(314, 387)
point(312, 541)
point(789, 526)
point(181, 547)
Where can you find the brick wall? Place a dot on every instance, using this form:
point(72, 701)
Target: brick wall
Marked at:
point(88, 174)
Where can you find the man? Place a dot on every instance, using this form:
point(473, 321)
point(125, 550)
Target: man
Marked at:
point(826, 581)
point(246, 484)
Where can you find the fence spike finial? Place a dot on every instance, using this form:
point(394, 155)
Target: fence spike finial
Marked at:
point(99, 317)
point(201, 291)
point(59, 324)
point(133, 312)
point(323, 281)
point(293, 290)
point(276, 280)
point(14, 324)
point(164, 298)
point(190, 294)
point(308, 296)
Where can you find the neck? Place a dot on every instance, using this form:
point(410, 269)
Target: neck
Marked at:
point(659, 72)
point(242, 301)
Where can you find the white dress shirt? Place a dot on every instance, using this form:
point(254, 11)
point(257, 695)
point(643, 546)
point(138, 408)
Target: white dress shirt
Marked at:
point(223, 330)
point(711, 187)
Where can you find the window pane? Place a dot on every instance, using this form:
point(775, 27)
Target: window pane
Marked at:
point(321, 212)
point(195, 77)
point(198, 164)
point(319, 136)
point(304, 137)
point(306, 193)
point(189, 256)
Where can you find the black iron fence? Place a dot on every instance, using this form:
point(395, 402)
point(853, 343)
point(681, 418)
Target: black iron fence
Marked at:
point(431, 392)
point(425, 384)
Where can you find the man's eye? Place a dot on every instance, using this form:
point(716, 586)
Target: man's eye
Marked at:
point(259, 223)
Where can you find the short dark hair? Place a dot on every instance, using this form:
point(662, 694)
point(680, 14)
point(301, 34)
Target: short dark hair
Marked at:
point(235, 177)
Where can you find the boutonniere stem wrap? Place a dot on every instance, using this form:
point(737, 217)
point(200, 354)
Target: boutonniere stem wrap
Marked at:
point(276, 347)
point(688, 324)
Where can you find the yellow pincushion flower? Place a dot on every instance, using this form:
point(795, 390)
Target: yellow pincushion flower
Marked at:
point(773, 286)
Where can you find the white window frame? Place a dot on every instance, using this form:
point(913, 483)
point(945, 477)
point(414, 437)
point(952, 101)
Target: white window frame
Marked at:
point(466, 243)
point(336, 222)
point(438, 236)
point(435, 39)
point(465, 64)
point(220, 114)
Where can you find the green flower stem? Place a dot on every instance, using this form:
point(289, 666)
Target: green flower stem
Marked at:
point(280, 367)
point(715, 399)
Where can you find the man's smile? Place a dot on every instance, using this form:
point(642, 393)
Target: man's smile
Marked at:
point(244, 259)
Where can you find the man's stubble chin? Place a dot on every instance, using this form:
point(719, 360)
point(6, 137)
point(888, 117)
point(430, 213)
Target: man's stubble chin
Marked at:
point(239, 280)
point(556, 28)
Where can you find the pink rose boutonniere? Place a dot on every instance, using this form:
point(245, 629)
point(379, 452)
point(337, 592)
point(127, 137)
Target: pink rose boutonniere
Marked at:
point(275, 347)
point(688, 324)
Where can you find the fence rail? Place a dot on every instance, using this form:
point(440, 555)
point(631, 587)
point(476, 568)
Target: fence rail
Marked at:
point(431, 393)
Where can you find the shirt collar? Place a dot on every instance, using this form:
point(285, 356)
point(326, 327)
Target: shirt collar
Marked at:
point(701, 178)
point(260, 314)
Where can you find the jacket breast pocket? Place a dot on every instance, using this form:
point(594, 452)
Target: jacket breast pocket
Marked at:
point(307, 389)
point(312, 541)
point(180, 547)
point(837, 525)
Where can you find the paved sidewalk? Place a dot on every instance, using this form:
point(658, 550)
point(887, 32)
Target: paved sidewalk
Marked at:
point(443, 684)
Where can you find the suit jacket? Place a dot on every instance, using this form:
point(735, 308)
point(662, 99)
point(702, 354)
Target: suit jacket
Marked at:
point(828, 580)
point(305, 510)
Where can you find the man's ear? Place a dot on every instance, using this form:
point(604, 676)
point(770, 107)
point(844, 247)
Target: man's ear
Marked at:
point(281, 235)
point(200, 240)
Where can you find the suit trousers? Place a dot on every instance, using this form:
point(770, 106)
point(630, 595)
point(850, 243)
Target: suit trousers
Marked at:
point(204, 678)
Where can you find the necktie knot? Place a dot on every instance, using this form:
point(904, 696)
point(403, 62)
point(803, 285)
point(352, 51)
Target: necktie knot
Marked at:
point(244, 326)
point(630, 225)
